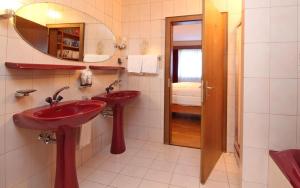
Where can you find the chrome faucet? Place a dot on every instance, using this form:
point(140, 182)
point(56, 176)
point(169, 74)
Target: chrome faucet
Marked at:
point(56, 98)
point(110, 87)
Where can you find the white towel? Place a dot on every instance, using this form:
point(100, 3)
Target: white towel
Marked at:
point(85, 137)
point(150, 64)
point(134, 63)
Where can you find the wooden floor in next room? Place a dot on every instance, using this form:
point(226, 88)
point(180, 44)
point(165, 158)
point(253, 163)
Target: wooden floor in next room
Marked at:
point(186, 130)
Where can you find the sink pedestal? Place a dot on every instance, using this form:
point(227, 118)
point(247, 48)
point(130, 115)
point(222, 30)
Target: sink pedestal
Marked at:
point(66, 176)
point(117, 100)
point(118, 142)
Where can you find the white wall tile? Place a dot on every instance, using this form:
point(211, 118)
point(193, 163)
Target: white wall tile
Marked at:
point(145, 35)
point(3, 45)
point(257, 4)
point(255, 168)
point(180, 7)
point(108, 7)
point(284, 60)
point(2, 135)
point(3, 27)
point(257, 57)
point(156, 28)
point(283, 96)
point(168, 8)
point(256, 127)
point(298, 132)
point(145, 12)
point(2, 95)
point(257, 95)
point(15, 165)
point(194, 7)
point(283, 2)
point(2, 171)
point(284, 24)
point(257, 25)
point(156, 10)
point(283, 132)
point(24, 54)
point(134, 29)
point(16, 137)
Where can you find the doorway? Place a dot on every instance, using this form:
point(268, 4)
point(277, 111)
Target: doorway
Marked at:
point(209, 114)
point(184, 75)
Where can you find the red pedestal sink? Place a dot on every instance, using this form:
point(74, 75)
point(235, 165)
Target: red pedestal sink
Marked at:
point(62, 118)
point(117, 100)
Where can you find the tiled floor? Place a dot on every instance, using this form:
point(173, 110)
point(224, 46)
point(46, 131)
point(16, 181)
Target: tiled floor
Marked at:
point(154, 165)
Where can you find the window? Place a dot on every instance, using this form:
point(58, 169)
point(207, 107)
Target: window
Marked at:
point(189, 65)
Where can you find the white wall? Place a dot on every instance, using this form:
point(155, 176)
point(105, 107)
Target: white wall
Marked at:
point(271, 99)
point(24, 161)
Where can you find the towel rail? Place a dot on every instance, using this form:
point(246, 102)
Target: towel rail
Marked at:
point(159, 58)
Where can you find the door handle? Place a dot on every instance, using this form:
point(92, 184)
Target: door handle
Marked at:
point(207, 89)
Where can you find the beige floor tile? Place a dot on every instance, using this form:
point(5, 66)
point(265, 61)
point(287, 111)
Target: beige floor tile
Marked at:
point(102, 177)
point(122, 181)
point(152, 184)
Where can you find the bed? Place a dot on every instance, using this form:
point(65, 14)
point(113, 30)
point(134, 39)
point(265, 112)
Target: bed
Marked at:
point(186, 98)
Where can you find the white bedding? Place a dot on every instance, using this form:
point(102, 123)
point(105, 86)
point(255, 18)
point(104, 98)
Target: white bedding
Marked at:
point(186, 93)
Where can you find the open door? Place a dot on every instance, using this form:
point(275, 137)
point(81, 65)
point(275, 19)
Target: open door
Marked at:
point(214, 42)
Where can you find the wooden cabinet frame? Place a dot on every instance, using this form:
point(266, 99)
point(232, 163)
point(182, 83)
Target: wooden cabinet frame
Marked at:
point(81, 27)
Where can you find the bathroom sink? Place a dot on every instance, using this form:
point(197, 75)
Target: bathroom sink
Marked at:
point(71, 114)
point(64, 119)
point(117, 97)
point(117, 100)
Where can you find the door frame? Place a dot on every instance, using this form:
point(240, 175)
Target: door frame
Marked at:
point(168, 79)
point(225, 19)
point(170, 21)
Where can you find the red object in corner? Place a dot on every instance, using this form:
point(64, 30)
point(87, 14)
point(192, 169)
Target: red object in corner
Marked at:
point(289, 163)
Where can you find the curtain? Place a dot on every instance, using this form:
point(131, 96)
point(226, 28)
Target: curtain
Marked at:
point(189, 65)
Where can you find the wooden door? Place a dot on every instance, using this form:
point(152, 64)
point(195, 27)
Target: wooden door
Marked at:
point(213, 133)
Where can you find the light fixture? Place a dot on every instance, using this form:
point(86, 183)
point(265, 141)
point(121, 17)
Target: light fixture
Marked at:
point(121, 43)
point(6, 14)
point(53, 14)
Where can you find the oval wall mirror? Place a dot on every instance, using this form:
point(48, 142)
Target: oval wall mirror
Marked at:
point(64, 33)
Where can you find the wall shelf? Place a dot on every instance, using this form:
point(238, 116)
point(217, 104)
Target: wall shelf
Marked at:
point(106, 68)
point(30, 66)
